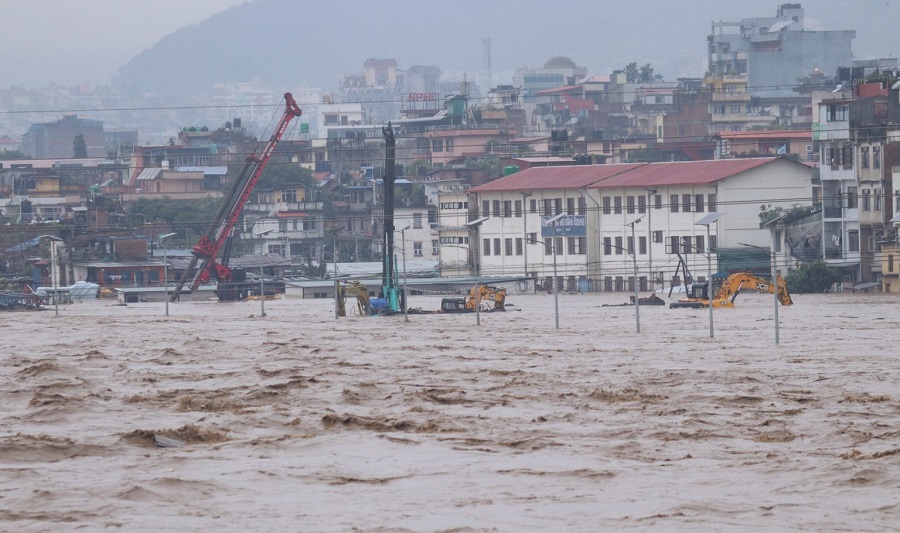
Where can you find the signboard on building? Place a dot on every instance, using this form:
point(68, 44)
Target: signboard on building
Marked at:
point(566, 226)
point(422, 101)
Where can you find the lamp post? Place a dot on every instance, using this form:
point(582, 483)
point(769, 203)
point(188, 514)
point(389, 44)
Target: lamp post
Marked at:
point(774, 281)
point(54, 269)
point(337, 286)
point(650, 193)
point(552, 223)
point(709, 220)
point(405, 285)
point(166, 265)
point(637, 303)
point(476, 226)
point(525, 196)
point(262, 289)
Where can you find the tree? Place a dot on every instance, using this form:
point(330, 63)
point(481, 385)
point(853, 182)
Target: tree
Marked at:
point(813, 278)
point(12, 154)
point(79, 147)
point(631, 72)
point(279, 174)
point(190, 218)
point(641, 74)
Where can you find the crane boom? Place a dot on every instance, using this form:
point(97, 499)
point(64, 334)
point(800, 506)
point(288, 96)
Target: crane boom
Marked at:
point(221, 228)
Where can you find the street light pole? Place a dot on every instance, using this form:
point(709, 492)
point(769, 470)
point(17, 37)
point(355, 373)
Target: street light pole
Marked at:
point(637, 302)
point(476, 224)
point(262, 289)
point(555, 288)
point(637, 299)
point(775, 290)
point(650, 192)
point(552, 223)
point(405, 285)
point(54, 269)
point(166, 265)
point(337, 285)
point(525, 196)
point(708, 221)
point(709, 282)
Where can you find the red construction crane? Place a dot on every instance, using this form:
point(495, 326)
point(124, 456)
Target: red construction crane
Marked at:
point(219, 232)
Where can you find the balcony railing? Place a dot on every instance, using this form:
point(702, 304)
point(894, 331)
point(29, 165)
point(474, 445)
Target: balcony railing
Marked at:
point(807, 254)
point(833, 212)
point(834, 253)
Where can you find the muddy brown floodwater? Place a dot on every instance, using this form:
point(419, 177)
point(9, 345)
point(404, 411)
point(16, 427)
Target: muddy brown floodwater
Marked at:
point(300, 422)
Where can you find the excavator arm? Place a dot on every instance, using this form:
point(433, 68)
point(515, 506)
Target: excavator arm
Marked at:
point(735, 283)
point(357, 289)
point(484, 295)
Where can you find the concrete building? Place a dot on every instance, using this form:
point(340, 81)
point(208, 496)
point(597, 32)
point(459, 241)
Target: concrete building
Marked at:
point(774, 52)
point(556, 72)
point(454, 257)
point(295, 224)
point(765, 142)
point(57, 139)
point(669, 198)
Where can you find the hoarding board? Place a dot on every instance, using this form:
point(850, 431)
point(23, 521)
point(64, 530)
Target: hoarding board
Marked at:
point(566, 226)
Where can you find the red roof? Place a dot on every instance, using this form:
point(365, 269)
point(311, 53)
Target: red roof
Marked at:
point(684, 173)
point(560, 177)
point(624, 175)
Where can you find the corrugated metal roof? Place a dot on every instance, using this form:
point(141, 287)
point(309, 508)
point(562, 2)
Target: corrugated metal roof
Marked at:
point(561, 177)
point(684, 173)
point(549, 159)
point(624, 175)
point(149, 174)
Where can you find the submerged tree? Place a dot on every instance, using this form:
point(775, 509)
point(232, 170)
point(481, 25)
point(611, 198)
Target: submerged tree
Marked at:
point(813, 278)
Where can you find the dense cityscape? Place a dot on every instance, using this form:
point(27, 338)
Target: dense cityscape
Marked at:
point(468, 147)
point(409, 266)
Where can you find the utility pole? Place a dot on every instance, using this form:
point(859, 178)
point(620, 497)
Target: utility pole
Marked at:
point(388, 277)
point(486, 45)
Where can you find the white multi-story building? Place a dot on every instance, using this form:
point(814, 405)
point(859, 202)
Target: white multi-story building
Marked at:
point(453, 236)
point(634, 213)
point(840, 195)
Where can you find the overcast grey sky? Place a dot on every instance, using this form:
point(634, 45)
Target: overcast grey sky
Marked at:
point(72, 41)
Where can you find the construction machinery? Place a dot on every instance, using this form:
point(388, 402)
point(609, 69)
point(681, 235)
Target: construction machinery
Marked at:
point(348, 289)
point(699, 298)
point(391, 300)
point(390, 283)
point(488, 297)
point(204, 266)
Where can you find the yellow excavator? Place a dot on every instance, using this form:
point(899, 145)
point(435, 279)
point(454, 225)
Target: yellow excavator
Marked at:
point(699, 293)
point(489, 297)
point(351, 289)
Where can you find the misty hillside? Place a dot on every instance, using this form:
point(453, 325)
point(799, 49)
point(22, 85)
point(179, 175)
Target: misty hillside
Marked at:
point(284, 42)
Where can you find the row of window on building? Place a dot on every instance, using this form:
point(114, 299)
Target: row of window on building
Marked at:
point(841, 156)
point(687, 203)
point(611, 245)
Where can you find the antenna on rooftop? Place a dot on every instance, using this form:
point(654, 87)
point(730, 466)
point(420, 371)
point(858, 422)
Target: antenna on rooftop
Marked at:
point(486, 45)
